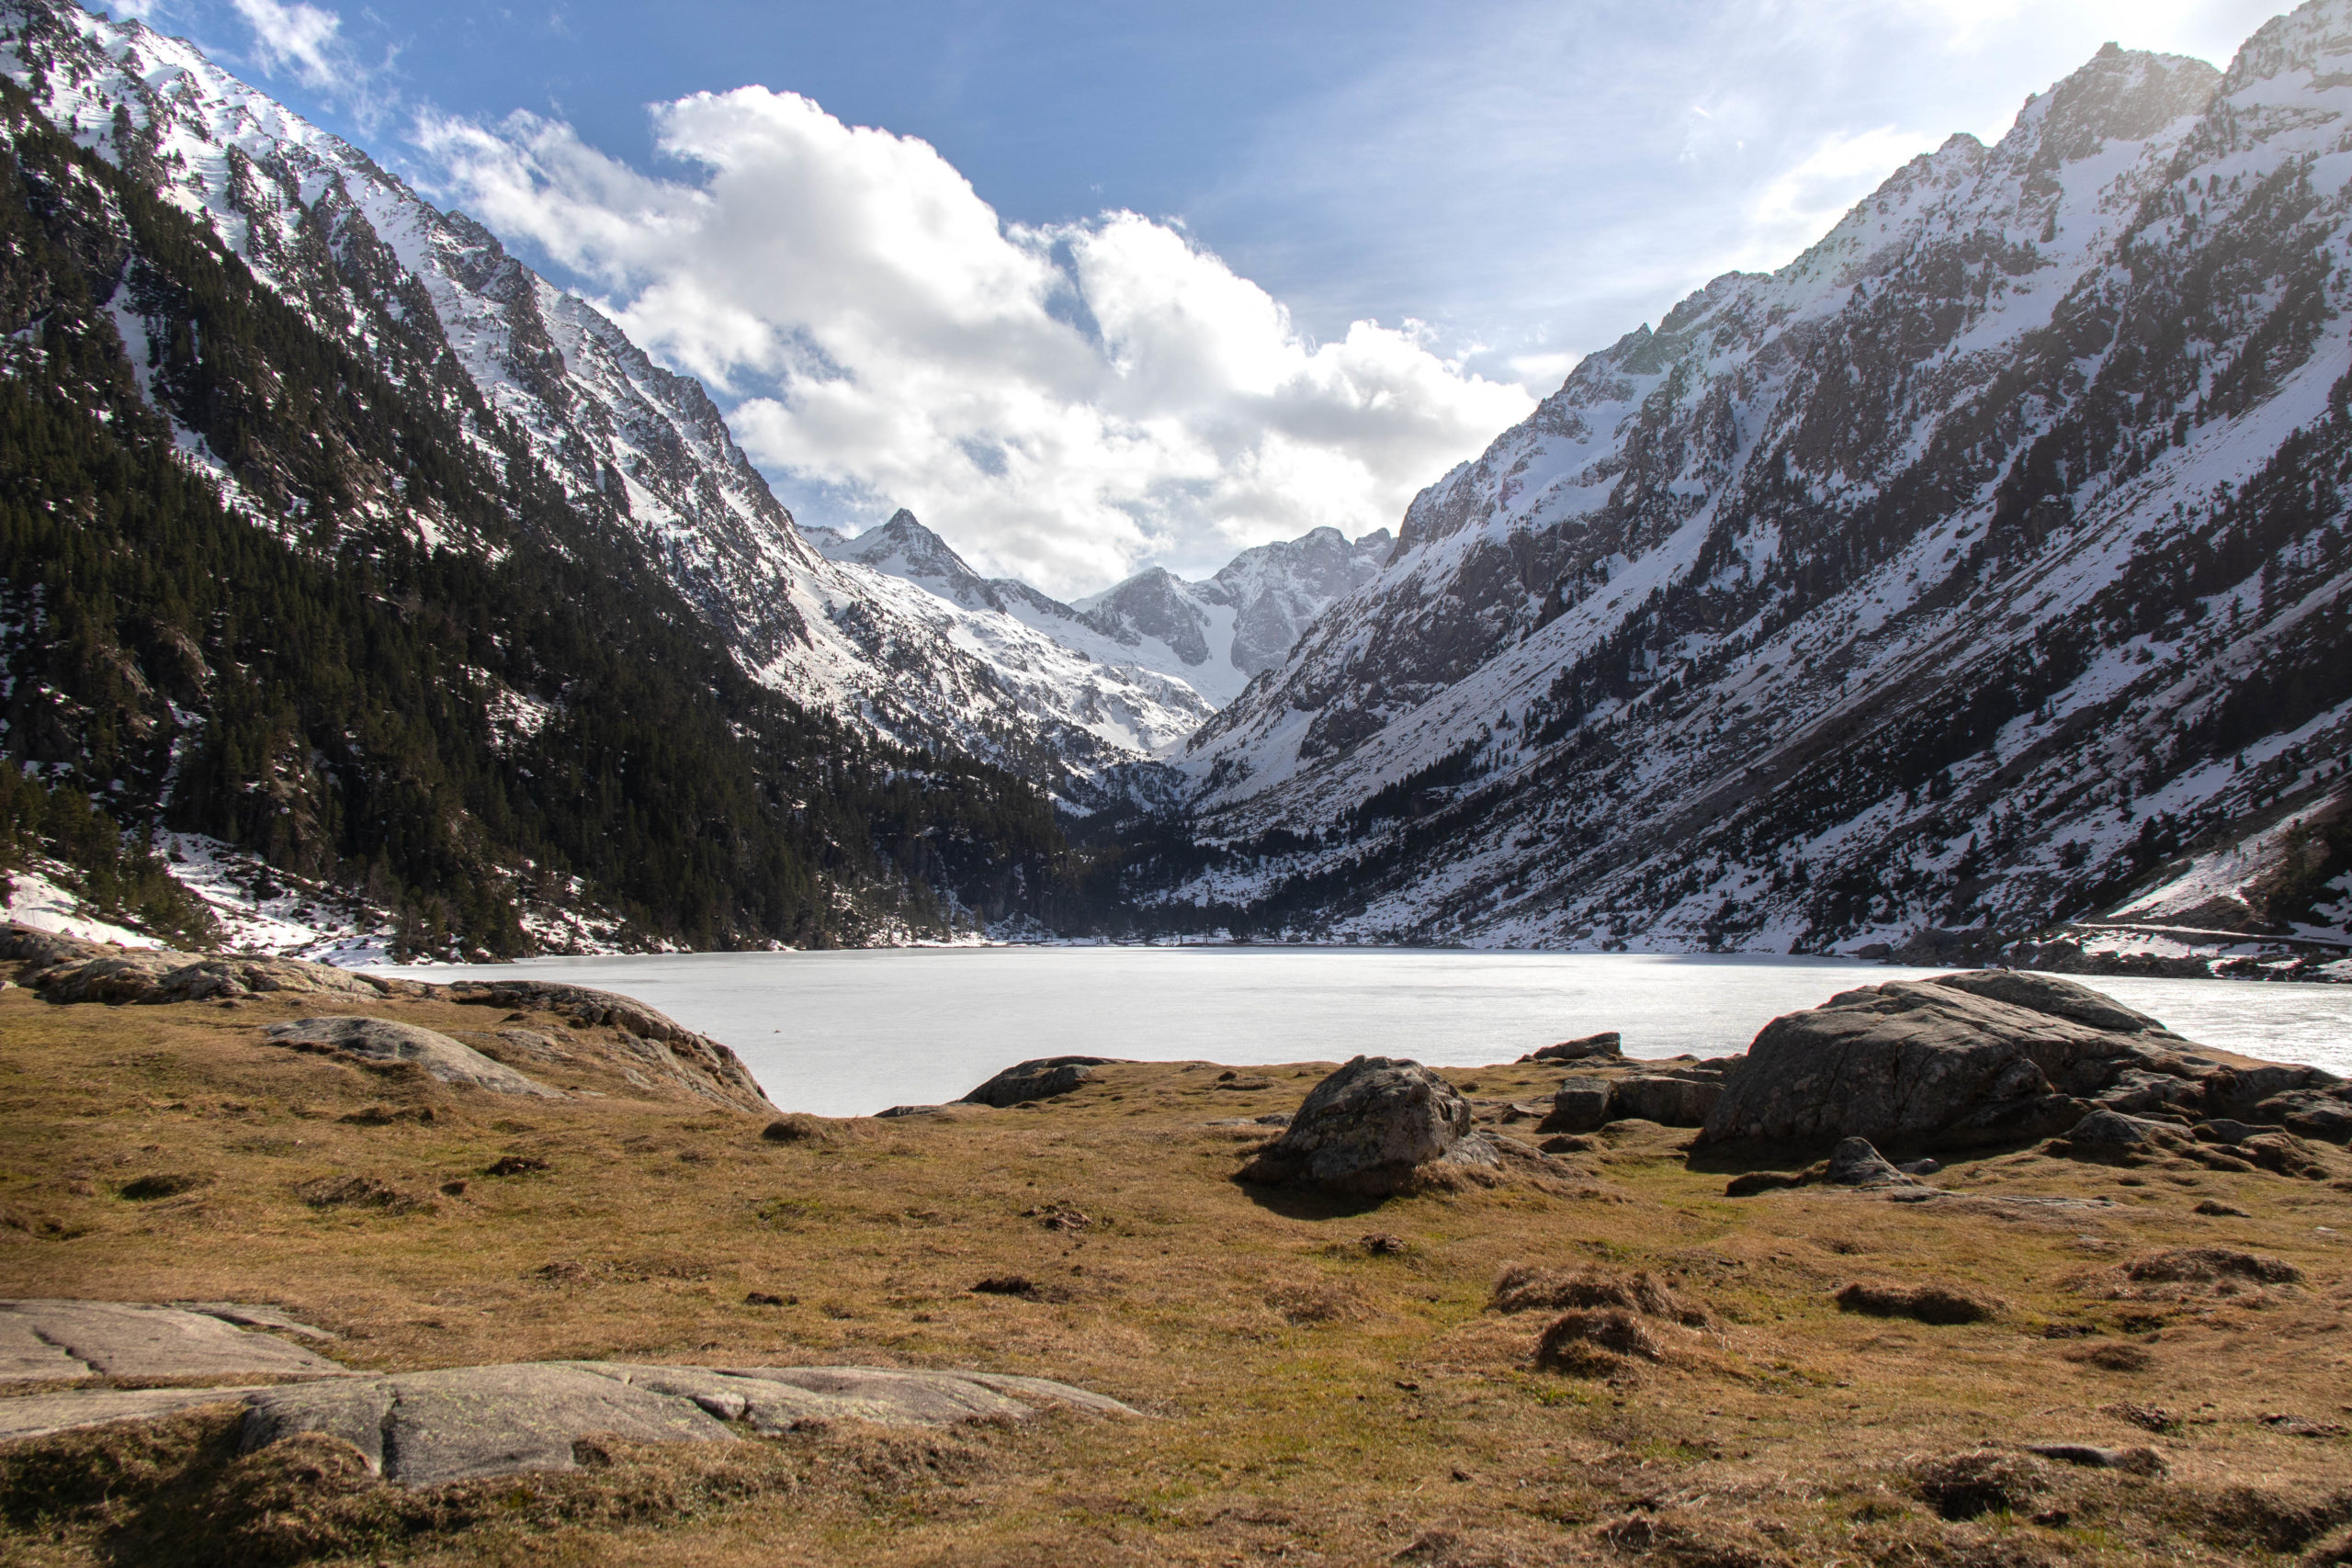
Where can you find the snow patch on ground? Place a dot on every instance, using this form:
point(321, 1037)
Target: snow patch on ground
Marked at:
point(38, 899)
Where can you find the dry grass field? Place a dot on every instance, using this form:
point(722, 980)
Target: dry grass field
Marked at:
point(1328, 1382)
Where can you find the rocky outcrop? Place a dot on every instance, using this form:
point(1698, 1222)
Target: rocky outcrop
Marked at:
point(650, 1040)
point(1996, 1056)
point(1040, 1080)
point(1379, 1125)
point(382, 1041)
point(69, 969)
point(653, 1049)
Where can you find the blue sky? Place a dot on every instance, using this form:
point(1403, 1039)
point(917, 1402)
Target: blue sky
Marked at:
point(1195, 206)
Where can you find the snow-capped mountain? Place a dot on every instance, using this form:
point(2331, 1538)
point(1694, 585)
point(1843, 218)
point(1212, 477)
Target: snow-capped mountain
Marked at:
point(1213, 634)
point(1221, 633)
point(1959, 574)
point(433, 297)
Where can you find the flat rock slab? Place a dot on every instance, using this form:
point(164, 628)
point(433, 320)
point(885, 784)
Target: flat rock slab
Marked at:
point(38, 1415)
point(44, 1341)
point(380, 1039)
point(463, 1423)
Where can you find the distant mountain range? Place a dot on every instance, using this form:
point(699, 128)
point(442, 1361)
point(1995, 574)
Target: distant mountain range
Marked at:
point(1981, 576)
point(1215, 635)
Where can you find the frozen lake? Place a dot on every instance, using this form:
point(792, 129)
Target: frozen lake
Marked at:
point(849, 1033)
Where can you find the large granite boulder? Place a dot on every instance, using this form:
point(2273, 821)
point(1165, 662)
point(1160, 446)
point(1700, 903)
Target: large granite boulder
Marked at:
point(1959, 1061)
point(1378, 1125)
point(1041, 1079)
point(382, 1042)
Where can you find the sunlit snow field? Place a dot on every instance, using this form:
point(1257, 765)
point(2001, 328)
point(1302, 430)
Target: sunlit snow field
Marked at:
point(848, 1033)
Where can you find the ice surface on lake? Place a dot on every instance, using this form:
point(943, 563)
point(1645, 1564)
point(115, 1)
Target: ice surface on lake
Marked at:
point(848, 1033)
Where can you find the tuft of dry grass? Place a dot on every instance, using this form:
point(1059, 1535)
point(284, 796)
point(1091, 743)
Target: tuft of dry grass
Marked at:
point(1932, 1302)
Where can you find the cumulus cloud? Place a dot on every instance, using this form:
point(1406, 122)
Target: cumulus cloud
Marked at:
point(1064, 402)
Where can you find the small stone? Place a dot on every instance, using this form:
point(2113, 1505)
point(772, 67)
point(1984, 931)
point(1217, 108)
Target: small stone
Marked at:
point(1855, 1162)
point(2218, 1209)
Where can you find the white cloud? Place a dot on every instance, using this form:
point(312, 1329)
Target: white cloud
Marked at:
point(305, 43)
point(297, 39)
point(1063, 403)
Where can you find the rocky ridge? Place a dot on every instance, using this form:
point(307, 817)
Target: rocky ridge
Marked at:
point(65, 970)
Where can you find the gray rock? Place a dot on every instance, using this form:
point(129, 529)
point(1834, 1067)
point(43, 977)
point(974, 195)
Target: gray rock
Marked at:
point(1041, 1079)
point(1855, 1162)
point(1578, 1105)
point(2136, 1091)
point(2113, 1129)
point(38, 1415)
point(1671, 1101)
point(2058, 999)
point(1378, 1125)
point(1610, 1043)
point(44, 1340)
point(1942, 1064)
point(2321, 1113)
point(423, 1429)
point(2221, 1130)
point(381, 1040)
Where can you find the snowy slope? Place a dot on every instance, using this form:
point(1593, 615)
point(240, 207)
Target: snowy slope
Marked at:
point(436, 300)
point(1956, 575)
